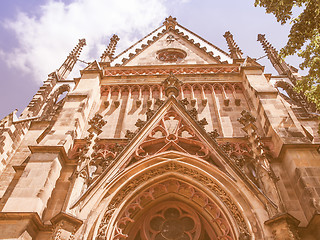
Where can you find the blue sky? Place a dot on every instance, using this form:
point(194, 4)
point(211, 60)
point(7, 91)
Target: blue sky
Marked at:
point(36, 36)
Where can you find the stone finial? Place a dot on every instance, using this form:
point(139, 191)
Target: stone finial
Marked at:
point(284, 69)
point(107, 55)
point(246, 118)
point(235, 51)
point(279, 64)
point(172, 85)
point(170, 22)
point(214, 134)
point(71, 60)
point(97, 122)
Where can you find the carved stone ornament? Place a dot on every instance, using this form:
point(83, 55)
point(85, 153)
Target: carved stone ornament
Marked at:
point(129, 134)
point(177, 70)
point(170, 22)
point(203, 122)
point(173, 222)
point(150, 113)
point(244, 236)
point(109, 52)
point(172, 219)
point(171, 55)
point(170, 38)
point(231, 207)
point(159, 102)
point(184, 102)
point(258, 167)
point(246, 118)
point(172, 85)
point(171, 133)
point(139, 124)
point(193, 113)
point(97, 122)
point(214, 134)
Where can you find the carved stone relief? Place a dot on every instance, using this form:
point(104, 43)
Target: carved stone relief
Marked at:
point(171, 55)
point(169, 167)
point(171, 133)
point(259, 163)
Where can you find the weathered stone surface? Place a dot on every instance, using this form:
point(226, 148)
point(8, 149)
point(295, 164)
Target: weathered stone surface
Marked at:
point(150, 140)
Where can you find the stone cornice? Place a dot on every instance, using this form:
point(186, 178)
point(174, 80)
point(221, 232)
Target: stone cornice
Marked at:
point(283, 217)
point(62, 216)
point(297, 146)
point(157, 70)
point(53, 149)
point(33, 217)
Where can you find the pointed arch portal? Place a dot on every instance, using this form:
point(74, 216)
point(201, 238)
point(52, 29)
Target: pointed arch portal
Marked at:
point(172, 209)
point(169, 197)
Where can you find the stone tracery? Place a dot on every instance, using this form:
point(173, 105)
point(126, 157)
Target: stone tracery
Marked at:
point(173, 219)
point(171, 133)
point(189, 192)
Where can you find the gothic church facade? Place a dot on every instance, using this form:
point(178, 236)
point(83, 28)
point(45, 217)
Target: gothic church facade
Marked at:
point(173, 138)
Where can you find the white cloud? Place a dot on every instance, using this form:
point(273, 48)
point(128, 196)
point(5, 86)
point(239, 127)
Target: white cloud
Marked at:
point(45, 40)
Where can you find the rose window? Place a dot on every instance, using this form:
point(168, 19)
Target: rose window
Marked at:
point(171, 55)
point(173, 223)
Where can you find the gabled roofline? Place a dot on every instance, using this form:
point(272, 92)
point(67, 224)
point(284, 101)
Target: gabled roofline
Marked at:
point(183, 36)
point(126, 50)
point(178, 31)
point(219, 49)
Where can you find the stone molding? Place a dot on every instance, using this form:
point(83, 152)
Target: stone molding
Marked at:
point(173, 166)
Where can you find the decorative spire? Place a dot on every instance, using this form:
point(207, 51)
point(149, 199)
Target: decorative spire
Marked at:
point(172, 85)
point(107, 55)
point(71, 60)
point(235, 51)
point(281, 67)
point(284, 69)
point(170, 22)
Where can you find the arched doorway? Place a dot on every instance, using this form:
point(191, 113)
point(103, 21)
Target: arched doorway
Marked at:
point(175, 220)
point(172, 209)
point(200, 199)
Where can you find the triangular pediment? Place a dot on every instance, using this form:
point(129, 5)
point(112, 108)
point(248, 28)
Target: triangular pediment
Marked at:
point(171, 127)
point(93, 66)
point(250, 62)
point(171, 46)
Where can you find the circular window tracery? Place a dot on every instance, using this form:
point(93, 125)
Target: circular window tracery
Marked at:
point(171, 55)
point(172, 223)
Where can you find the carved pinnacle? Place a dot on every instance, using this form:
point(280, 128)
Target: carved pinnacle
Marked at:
point(281, 67)
point(170, 23)
point(71, 60)
point(172, 85)
point(235, 51)
point(107, 55)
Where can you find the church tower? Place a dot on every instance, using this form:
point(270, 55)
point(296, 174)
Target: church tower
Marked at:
point(173, 138)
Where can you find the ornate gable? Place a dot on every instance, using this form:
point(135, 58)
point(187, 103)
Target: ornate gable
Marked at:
point(172, 48)
point(172, 133)
point(171, 44)
point(171, 127)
